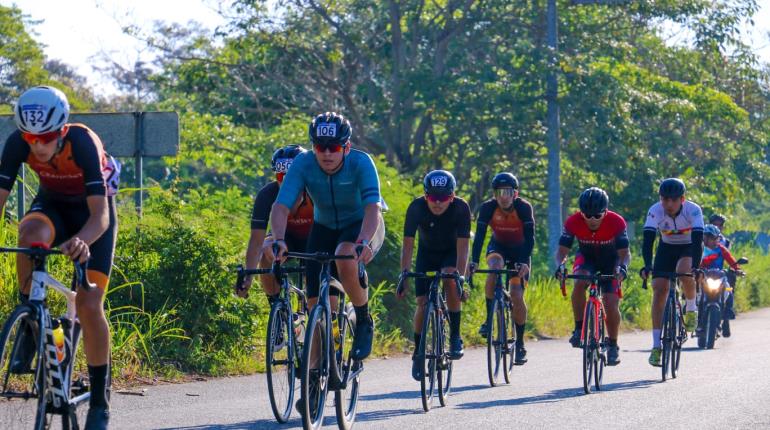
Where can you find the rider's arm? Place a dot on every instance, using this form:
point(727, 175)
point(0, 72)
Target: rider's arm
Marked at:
point(526, 214)
point(407, 249)
point(260, 216)
point(370, 223)
point(15, 152)
point(254, 249)
point(411, 222)
point(565, 243)
point(98, 219)
point(697, 236)
point(87, 157)
point(561, 255)
point(278, 217)
point(729, 257)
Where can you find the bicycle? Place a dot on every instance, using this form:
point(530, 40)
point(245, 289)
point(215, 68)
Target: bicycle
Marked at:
point(673, 333)
point(433, 350)
point(55, 377)
point(501, 334)
point(285, 330)
point(324, 329)
point(592, 339)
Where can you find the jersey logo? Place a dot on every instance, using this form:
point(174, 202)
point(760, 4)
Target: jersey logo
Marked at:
point(326, 129)
point(439, 181)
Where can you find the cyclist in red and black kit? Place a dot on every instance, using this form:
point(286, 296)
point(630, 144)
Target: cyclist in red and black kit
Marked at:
point(603, 247)
point(444, 222)
point(75, 210)
point(513, 238)
point(298, 224)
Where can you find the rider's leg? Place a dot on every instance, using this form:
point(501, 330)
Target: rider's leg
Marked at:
point(34, 227)
point(684, 265)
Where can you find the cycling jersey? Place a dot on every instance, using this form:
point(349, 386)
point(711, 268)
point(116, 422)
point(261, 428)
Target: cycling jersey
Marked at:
point(599, 247)
point(676, 230)
point(514, 229)
point(299, 222)
point(438, 232)
point(339, 198)
point(714, 258)
point(80, 168)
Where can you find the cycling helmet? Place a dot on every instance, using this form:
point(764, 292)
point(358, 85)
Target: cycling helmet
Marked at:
point(505, 179)
point(711, 230)
point(41, 110)
point(283, 157)
point(439, 182)
point(672, 188)
point(330, 128)
point(593, 201)
point(717, 218)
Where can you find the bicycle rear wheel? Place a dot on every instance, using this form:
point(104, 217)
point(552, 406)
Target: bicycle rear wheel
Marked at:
point(279, 362)
point(600, 357)
point(444, 363)
point(667, 337)
point(346, 400)
point(315, 369)
point(509, 351)
point(588, 347)
point(496, 339)
point(427, 353)
point(20, 374)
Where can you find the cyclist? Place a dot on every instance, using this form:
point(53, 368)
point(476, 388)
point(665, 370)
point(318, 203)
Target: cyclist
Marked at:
point(75, 210)
point(714, 256)
point(444, 223)
point(719, 221)
point(513, 238)
point(603, 247)
point(680, 224)
point(345, 189)
point(298, 224)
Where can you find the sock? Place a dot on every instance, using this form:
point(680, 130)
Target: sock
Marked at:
point(578, 325)
point(519, 334)
point(454, 323)
point(656, 338)
point(417, 338)
point(612, 342)
point(690, 305)
point(490, 304)
point(98, 378)
point(362, 312)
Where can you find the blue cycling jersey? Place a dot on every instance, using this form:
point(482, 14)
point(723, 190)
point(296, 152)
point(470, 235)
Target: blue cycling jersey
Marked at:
point(340, 198)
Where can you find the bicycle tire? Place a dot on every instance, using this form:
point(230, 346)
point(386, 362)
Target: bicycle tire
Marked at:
point(279, 362)
point(445, 365)
point(346, 400)
point(667, 334)
point(680, 334)
point(427, 354)
point(509, 353)
point(77, 380)
point(599, 351)
point(588, 335)
point(20, 390)
point(316, 333)
point(713, 318)
point(496, 339)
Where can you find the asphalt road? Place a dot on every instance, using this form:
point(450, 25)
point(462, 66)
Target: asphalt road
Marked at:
point(728, 387)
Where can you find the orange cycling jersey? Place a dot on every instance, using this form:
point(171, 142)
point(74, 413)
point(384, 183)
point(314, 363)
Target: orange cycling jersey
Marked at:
point(80, 167)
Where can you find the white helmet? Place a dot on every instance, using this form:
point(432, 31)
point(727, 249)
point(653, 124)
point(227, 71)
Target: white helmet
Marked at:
point(41, 109)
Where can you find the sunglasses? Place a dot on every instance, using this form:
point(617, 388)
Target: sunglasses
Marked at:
point(600, 215)
point(279, 176)
point(504, 192)
point(41, 138)
point(438, 198)
point(331, 147)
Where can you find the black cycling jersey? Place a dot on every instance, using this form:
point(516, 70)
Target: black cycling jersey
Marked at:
point(438, 232)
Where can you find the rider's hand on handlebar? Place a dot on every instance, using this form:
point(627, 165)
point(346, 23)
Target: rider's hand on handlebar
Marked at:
point(697, 273)
point(560, 271)
point(523, 270)
point(645, 272)
point(364, 252)
point(243, 291)
point(267, 250)
point(403, 286)
point(76, 249)
point(621, 272)
point(472, 268)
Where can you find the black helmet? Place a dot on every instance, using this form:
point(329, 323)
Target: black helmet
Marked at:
point(283, 157)
point(439, 182)
point(593, 201)
point(672, 188)
point(505, 179)
point(330, 128)
point(717, 218)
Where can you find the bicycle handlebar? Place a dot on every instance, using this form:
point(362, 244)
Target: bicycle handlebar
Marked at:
point(429, 275)
point(669, 275)
point(512, 272)
point(596, 277)
point(80, 273)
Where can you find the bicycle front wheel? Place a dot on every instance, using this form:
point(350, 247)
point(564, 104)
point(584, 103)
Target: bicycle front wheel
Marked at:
point(315, 369)
point(444, 363)
point(588, 346)
point(279, 361)
point(346, 399)
point(668, 333)
point(496, 339)
point(599, 342)
point(20, 369)
point(427, 354)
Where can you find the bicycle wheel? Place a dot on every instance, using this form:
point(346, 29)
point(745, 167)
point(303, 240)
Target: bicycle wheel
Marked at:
point(680, 335)
point(279, 361)
point(588, 346)
point(667, 337)
point(346, 400)
point(713, 317)
point(444, 373)
point(315, 369)
point(509, 350)
point(20, 383)
point(496, 339)
point(428, 353)
point(599, 354)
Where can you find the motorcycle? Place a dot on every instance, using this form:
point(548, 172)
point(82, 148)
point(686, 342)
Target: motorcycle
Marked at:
point(713, 316)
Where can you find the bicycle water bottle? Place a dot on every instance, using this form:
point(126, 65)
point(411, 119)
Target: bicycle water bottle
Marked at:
point(299, 327)
point(58, 340)
point(336, 333)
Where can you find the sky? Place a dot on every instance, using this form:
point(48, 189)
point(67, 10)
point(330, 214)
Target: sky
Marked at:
point(75, 31)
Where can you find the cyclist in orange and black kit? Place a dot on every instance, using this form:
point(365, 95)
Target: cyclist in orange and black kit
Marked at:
point(75, 210)
point(513, 238)
point(298, 226)
point(603, 247)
